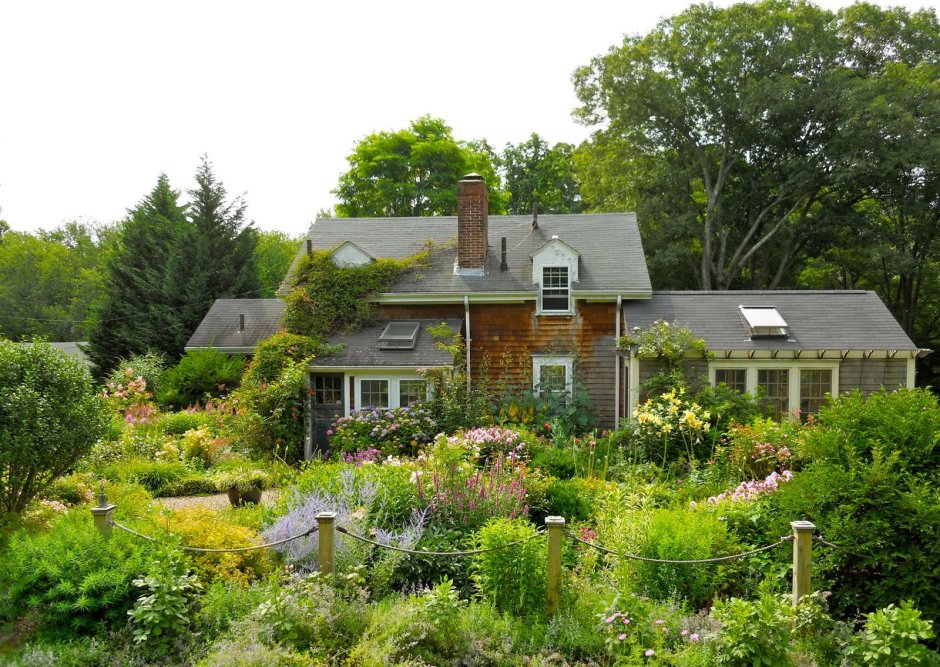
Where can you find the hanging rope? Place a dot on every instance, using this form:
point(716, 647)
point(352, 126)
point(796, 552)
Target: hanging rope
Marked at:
point(717, 559)
point(819, 538)
point(211, 551)
point(472, 552)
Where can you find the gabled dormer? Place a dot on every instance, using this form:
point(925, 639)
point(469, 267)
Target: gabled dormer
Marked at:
point(349, 254)
point(554, 269)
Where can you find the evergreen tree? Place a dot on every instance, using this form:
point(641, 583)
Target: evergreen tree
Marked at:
point(137, 310)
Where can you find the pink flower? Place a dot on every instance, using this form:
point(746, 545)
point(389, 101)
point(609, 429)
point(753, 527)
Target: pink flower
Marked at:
point(622, 636)
point(659, 621)
point(626, 621)
point(649, 653)
point(693, 637)
point(684, 633)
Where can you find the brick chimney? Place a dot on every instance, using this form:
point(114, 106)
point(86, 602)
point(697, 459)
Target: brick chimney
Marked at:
point(473, 204)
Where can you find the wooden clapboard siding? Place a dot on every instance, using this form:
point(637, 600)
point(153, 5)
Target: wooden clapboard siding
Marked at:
point(870, 375)
point(446, 311)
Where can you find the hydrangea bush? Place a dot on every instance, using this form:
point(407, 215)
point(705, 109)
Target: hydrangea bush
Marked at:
point(394, 431)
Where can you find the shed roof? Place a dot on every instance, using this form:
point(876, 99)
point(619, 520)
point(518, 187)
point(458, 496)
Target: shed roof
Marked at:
point(817, 320)
point(612, 258)
point(361, 349)
point(220, 327)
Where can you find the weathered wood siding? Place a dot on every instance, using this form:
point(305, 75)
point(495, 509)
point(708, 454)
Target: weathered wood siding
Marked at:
point(870, 375)
point(505, 336)
point(448, 311)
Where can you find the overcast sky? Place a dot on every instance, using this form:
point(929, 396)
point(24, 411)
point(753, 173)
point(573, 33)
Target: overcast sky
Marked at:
point(98, 98)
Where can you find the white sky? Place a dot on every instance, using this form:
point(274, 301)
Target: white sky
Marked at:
point(98, 97)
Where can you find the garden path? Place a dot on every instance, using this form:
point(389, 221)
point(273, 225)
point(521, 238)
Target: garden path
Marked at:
point(217, 501)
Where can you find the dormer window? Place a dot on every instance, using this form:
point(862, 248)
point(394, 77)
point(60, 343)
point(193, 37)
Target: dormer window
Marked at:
point(556, 290)
point(763, 321)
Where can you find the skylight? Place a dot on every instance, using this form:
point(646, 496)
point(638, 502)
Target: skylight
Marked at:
point(763, 321)
point(399, 335)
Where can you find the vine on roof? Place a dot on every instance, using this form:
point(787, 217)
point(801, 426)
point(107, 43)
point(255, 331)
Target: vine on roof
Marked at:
point(330, 299)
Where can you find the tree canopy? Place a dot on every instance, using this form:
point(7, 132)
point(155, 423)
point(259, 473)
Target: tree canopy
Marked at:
point(413, 172)
point(535, 172)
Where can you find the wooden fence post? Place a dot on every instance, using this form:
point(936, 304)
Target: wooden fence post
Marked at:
point(327, 529)
point(102, 513)
point(555, 525)
point(802, 558)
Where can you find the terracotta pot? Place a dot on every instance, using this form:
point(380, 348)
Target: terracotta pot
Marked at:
point(238, 498)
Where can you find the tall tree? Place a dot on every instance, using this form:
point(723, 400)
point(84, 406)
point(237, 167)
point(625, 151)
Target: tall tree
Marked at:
point(138, 311)
point(49, 281)
point(216, 259)
point(740, 99)
point(273, 256)
point(413, 172)
point(535, 172)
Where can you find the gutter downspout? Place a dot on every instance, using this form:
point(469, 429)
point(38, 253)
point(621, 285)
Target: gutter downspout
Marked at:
point(617, 364)
point(466, 317)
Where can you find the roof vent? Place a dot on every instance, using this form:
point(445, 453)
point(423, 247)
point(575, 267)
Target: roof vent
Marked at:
point(399, 335)
point(763, 321)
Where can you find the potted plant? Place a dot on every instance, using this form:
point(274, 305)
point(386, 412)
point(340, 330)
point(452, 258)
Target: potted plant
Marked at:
point(243, 484)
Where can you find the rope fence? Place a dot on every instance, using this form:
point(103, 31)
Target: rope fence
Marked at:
point(717, 559)
point(802, 539)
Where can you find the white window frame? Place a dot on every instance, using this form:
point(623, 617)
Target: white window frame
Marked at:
point(394, 391)
point(539, 360)
point(541, 309)
point(794, 366)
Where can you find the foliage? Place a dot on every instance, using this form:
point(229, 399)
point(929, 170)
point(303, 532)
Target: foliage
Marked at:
point(511, 578)
point(225, 602)
point(537, 173)
point(198, 526)
point(49, 418)
point(413, 172)
point(466, 499)
point(49, 281)
point(328, 298)
point(273, 256)
point(669, 343)
point(761, 447)
point(178, 423)
point(201, 374)
point(73, 580)
point(395, 431)
point(896, 636)
point(672, 427)
point(278, 353)
point(162, 612)
point(754, 632)
point(852, 427)
point(158, 477)
point(242, 478)
point(269, 422)
point(200, 448)
point(419, 571)
point(150, 366)
point(490, 442)
point(683, 535)
point(753, 489)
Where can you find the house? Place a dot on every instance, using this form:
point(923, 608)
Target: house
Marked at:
point(543, 299)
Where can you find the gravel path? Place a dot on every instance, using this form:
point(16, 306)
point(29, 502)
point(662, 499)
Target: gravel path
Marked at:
point(216, 502)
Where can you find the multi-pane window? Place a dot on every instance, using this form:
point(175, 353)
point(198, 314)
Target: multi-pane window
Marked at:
point(734, 378)
point(374, 393)
point(556, 290)
point(815, 383)
point(553, 380)
point(775, 383)
point(327, 389)
point(411, 391)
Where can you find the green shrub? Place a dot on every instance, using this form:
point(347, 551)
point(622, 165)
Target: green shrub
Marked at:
point(162, 612)
point(511, 578)
point(192, 484)
point(49, 418)
point(200, 373)
point(150, 366)
point(278, 352)
point(761, 447)
point(158, 477)
point(569, 499)
point(554, 461)
point(895, 637)
point(226, 602)
point(886, 522)
point(71, 578)
point(683, 535)
point(416, 571)
point(854, 426)
point(177, 423)
point(754, 632)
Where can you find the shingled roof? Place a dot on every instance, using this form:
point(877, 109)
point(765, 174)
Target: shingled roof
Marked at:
point(817, 320)
point(361, 349)
point(221, 327)
point(612, 259)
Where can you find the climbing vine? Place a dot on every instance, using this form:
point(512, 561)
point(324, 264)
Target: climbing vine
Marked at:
point(330, 298)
